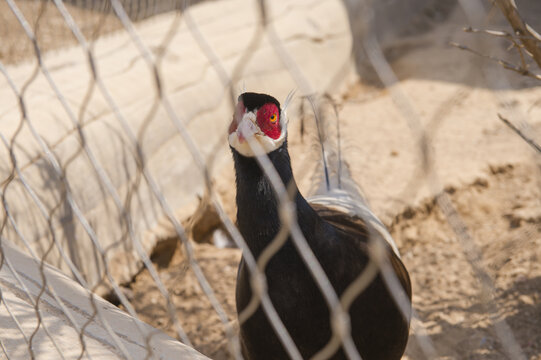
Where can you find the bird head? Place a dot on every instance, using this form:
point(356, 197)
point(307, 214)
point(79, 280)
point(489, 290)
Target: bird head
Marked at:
point(258, 120)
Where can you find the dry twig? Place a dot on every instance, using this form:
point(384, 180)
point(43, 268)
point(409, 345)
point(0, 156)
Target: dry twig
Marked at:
point(505, 64)
point(526, 138)
point(528, 36)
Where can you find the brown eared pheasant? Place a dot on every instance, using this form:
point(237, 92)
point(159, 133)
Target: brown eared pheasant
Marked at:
point(338, 227)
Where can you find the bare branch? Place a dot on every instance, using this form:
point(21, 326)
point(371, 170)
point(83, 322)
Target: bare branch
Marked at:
point(526, 138)
point(531, 39)
point(505, 64)
point(515, 43)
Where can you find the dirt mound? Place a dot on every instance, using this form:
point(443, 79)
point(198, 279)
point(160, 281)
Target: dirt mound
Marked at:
point(503, 215)
point(195, 312)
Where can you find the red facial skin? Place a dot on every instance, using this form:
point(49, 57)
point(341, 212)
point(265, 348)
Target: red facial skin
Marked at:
point(267, 123)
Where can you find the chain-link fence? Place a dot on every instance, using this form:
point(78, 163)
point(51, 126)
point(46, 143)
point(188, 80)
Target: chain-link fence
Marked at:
point(117, 181)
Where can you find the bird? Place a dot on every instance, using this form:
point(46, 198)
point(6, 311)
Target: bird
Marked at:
point(338, 227)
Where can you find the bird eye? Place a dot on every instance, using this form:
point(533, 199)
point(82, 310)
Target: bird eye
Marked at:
point(273, 118)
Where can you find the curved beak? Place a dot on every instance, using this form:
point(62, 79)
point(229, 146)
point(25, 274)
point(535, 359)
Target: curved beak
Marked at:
point(244, 123)
point(247, 126)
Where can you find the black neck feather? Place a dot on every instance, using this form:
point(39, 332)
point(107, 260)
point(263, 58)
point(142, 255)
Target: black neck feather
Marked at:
point(257, 203)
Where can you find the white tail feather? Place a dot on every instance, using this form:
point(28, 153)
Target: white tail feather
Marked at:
point(333, 185)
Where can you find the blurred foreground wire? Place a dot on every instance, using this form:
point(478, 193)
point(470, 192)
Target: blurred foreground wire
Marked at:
point(82, 181)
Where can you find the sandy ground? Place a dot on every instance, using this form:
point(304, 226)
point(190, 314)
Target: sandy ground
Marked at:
point(52, 31)
point(503, 214)
point(487, 172)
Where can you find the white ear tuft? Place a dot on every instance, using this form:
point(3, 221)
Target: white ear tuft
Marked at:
point(287, 102)
point(288, 99)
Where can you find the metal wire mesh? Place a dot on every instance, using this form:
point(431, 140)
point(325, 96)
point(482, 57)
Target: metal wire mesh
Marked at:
point(67, 205)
